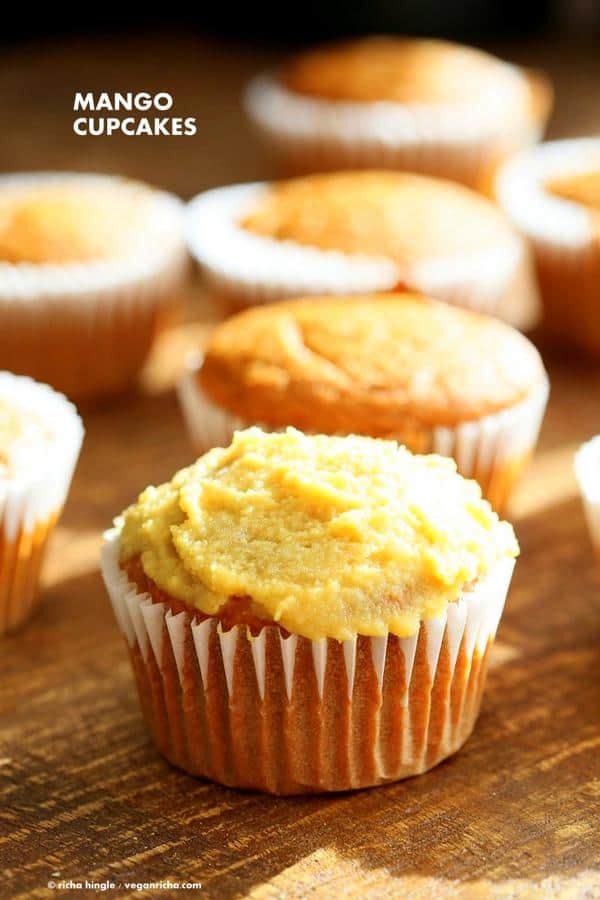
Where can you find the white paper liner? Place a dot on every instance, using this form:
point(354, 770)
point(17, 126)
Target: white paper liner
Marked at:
point(154, 257)
point(29, 497)
point(309, 133)
point(87, 308)
point(32, 494)
point(542, 216)
point(563, 236)
point(254, 269)
point(468, 626)
point(587, 471)
point(480, 447)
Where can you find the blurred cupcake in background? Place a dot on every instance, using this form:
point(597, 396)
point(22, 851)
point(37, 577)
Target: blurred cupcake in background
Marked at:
point(435, 378)
point(40, 439)
point(552, 195)
point(89, 267)
point(309, 613)
point(353, 232)
point(403, 103)
point(587, 472)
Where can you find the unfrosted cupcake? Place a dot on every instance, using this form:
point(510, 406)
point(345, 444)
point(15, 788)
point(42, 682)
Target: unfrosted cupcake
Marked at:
point(403, 103)
point(401, 366)
point(309, 613)
point(552, 194)
point(40, 438)
point(89, 267)
point(358, 231)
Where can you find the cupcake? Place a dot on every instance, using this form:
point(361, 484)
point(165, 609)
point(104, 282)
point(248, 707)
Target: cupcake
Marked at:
point(552, 194)
point(587, 472)
point(309, 613)
point(89, 266)
point(398, 103)
point(353, 232)
point(438, 379)
point(40, 438)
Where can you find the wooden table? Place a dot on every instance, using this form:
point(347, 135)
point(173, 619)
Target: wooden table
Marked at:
point(85, 795)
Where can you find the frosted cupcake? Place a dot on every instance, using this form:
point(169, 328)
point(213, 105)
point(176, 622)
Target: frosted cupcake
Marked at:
point(40, 438)
point(89, 267)
point(552, 195)
point(402, 103)
point(433, 377)
point(358, 231)
point(309, 613)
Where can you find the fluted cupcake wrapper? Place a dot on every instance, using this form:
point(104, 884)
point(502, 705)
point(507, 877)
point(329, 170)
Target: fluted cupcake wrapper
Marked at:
point(87, 327)
point(250, 269)
point(288, 715)
point(587, 472)
point(493, 450)
point(31, 501)
point(564, 237)
point(309, 134)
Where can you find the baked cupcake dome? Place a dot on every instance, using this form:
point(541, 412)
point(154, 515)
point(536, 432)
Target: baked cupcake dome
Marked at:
point(353, 232)
point(551, 193)
point(309, 613)
point(403, 103)
point(40, 439)
point(89, 267)
point(400, 366)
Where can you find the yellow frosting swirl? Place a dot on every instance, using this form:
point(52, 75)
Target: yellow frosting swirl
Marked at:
point(329, 536)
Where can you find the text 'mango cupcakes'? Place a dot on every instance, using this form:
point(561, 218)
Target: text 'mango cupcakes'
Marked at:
point(89, 265)
point(309, 613)
point(433, 377)
point(40, 438)
point(353, 232)
point(403, 103)
point(552, 195)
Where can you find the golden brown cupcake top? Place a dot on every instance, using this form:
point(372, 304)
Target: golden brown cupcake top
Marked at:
point(403, 217)
point(380, 365)
point(405, 70)
point(64, 223)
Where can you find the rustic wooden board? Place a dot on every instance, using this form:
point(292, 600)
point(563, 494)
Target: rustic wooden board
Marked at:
point(85, 795)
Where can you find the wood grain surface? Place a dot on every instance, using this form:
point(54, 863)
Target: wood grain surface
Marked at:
point(84, 795)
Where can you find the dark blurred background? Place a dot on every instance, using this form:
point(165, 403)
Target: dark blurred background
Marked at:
point(205, 57)
point(456, 19)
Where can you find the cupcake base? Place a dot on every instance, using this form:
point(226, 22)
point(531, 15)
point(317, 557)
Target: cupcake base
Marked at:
point(21, 558)
point(569, 279)
point(85, 353)
point(32, 496)
point(287, 715)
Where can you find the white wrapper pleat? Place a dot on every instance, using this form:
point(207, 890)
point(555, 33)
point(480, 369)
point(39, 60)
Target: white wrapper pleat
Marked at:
point(252, 269)
point(237, 666)
point(587, 471)
point(314, 134)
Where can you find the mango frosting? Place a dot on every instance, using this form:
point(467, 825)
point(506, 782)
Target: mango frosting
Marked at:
point(328, 536)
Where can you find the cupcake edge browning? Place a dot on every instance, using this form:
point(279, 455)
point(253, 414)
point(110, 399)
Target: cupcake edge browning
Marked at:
point(343, 365)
